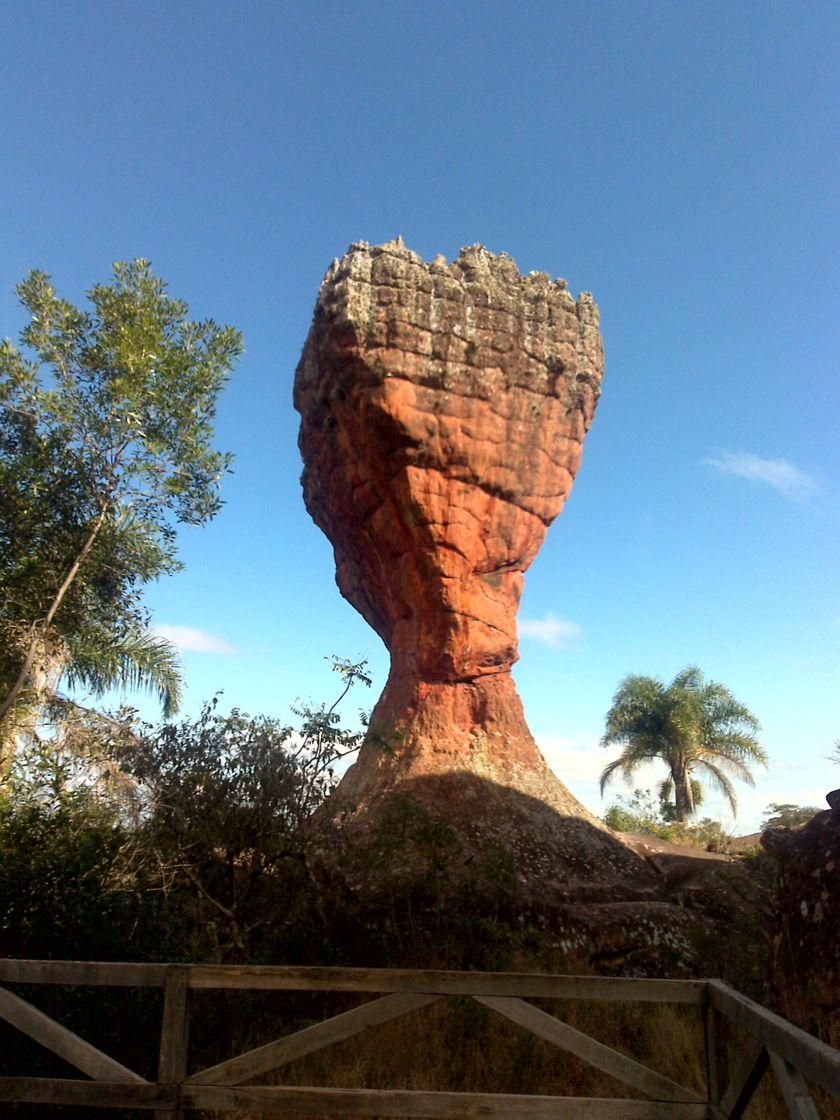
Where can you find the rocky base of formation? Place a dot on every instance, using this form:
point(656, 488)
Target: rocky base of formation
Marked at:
point(601, 898)
point(806, 934)
point(425, 740)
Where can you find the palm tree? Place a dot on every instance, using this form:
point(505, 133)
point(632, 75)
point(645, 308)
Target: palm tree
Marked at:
point(94, 660)
point(692, 725)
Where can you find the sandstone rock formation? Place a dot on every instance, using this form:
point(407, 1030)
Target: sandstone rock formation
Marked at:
point(443, 410)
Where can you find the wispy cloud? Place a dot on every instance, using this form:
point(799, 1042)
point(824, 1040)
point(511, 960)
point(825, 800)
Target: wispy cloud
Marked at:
point(574, 757)
point(557, 633)
point(790, 481)
point(188, 639)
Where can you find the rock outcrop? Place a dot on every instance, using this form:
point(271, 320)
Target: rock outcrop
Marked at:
point(443, 410)
point(806, 943)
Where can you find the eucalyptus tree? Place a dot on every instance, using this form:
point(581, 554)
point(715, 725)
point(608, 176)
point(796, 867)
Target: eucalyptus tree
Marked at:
point(106, 427)
point(695, 726)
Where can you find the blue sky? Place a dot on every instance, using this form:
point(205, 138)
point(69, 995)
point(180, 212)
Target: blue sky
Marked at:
point(680, 161)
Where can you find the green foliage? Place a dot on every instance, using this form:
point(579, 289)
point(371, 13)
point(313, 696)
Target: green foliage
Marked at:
point(223, 797)
point(226, 799)
point(708, 834)
point(66, 886)
point(639, 814)
point(405, 891)
point(208, 849)
point(787, 815)
point(690, 725)
point(642, 814)
point(322, 740)
point(105, 444)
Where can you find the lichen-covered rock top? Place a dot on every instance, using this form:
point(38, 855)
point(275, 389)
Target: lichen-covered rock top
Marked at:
point(494, 358)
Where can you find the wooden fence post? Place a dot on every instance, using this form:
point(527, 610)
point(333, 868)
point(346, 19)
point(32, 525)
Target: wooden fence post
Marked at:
point(174, 1033)
point(715, 1047)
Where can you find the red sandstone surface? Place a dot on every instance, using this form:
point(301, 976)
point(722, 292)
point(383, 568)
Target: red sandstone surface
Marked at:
point(443, 411)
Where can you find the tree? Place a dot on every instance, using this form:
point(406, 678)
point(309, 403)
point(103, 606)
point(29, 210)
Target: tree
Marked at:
point(692, 725)
point(105, 444)
point(787, 815)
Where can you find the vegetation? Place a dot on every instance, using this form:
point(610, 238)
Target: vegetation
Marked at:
point(192, 841)
point(642, 815)
point(692, 725)
point(787, 816)
point(105, 444)
point(205, 818)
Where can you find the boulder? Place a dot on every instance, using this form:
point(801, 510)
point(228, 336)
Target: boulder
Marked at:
point(806, 938)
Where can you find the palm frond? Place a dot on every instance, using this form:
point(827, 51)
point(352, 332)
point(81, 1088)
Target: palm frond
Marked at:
point(610, 769)
point(736, 747)
point(719, 779)
point(138, 660)
point(689, 679)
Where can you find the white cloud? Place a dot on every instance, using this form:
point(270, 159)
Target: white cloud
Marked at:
point(790, 481)
point(189, 640)
point(577, 760)
point(579, 757)
point(554, 632)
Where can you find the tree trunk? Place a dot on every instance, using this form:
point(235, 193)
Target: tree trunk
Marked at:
point(41, 631)
point(683, 795)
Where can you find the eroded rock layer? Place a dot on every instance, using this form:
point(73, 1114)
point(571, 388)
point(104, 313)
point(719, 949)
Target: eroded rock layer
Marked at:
point(443, 410)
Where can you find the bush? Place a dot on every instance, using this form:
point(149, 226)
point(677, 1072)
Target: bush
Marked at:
point(641, 814)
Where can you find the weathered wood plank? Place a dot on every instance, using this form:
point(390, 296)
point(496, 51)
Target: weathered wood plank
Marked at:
point(714, 1053)
point(748, 1073)
point(95, 1094)
point(798, 1100)
point(307, 1041)
point(63, 1042)
point(814, 1058)
point(174, 1034)
point(278, 1099)
point(524, 984)
point(95, 973)
point(610, 1061)
point(438, 982)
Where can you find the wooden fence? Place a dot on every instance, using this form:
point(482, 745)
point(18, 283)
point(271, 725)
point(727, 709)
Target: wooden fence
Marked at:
point(771, 1043)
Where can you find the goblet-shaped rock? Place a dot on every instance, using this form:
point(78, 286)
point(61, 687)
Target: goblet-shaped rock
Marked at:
point(443, 410)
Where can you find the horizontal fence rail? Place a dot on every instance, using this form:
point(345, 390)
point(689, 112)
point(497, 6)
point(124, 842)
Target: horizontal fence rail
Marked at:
point(772, 1044)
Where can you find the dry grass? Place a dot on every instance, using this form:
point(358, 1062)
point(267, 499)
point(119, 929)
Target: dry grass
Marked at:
point(457, 1045)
